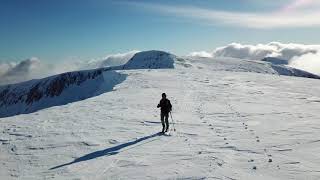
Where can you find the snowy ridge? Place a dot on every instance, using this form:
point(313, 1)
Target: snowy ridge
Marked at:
point(289, 71)
point(280, 66)
point(242, 65)
point(69, 87)
point(60, 89)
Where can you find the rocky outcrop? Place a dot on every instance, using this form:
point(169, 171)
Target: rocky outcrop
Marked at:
point(32, 91)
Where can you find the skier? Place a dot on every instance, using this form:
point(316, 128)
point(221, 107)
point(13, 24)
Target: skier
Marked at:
point(166, 107)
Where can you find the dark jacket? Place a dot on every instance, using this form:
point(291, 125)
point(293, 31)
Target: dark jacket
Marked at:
point(165, 106)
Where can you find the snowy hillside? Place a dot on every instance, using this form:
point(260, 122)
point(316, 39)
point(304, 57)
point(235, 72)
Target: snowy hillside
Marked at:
point(60, 89)
point(69, 87)
point(234, 119)
point(241, 65)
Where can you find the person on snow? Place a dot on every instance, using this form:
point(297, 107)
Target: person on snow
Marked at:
point(166, 107)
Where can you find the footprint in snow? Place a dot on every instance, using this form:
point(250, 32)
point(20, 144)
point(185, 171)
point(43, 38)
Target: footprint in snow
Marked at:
point(257, 139)
point(85, 143)
point(112, 141)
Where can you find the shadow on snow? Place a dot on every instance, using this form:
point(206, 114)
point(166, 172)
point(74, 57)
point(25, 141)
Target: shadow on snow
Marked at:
point(109, 151)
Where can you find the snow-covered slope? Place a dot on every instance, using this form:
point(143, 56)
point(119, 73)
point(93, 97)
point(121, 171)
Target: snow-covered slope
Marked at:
point(241, 65)
point(60, 89)
point(233, 120)
point(290, 71)
point(282, 68)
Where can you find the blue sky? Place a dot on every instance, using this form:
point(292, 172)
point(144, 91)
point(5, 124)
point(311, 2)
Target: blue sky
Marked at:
point(56, 30)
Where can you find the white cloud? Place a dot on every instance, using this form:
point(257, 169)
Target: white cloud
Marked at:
point(260, 51)
point(301, 56)
point(34, 68)
point(24, 67)
point(309, 62)
point(116, 59)
point(4, 67)
point(25, 70)
point(200, 54)
point(289, 16)
point(237, 50)
point(301, 4)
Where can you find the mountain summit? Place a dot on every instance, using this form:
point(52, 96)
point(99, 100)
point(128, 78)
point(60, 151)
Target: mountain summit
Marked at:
point(151, 60)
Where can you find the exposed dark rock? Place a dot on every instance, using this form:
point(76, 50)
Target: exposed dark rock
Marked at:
point(34, 94)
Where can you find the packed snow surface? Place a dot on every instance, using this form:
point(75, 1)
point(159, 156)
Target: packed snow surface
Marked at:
point(234, 119)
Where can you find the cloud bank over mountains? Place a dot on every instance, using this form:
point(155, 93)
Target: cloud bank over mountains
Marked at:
point(34, 68)
point(305, 57)
point(22, 71)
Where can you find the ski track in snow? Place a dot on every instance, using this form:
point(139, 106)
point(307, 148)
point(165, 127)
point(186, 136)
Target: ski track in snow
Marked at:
point(229, 126)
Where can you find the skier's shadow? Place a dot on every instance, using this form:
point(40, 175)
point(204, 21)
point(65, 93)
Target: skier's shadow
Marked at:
point(108, 152)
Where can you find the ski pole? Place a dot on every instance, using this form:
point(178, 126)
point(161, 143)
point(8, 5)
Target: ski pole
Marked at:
point(174, 129)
